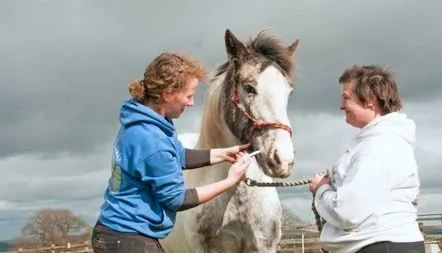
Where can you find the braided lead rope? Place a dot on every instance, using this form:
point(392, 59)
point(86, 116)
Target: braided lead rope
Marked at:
point(319, 221)
point(252, 183)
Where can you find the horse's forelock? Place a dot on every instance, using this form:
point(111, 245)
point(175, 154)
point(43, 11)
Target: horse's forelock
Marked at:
point(274, 50)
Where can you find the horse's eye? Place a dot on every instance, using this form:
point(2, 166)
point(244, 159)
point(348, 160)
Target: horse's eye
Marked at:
point(250, 89)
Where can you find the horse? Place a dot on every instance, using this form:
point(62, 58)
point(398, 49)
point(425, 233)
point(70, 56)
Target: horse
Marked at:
point(245, 103)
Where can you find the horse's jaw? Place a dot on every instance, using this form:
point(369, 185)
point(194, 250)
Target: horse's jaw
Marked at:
point(255, 172)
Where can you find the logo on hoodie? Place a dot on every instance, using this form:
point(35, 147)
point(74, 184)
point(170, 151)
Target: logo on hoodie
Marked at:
point(115, 180)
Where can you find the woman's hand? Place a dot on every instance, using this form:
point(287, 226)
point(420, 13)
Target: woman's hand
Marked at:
point(238, 170)
point(318, 180)
point(218, 155)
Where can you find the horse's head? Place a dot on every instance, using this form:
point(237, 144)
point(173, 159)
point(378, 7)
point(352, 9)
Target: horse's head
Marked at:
point(257, 86)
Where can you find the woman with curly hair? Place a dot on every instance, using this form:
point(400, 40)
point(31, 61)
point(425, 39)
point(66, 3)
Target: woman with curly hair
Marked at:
point(147, 186)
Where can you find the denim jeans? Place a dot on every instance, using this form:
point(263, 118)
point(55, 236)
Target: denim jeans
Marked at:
point(106, 240)
point(394, 247)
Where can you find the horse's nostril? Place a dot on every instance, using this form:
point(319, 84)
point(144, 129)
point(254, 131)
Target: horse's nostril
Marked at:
point(276, 157)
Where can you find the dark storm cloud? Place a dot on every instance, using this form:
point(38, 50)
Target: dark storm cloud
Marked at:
point(65, 64)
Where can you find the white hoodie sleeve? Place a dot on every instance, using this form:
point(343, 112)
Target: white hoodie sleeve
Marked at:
point(361, 193)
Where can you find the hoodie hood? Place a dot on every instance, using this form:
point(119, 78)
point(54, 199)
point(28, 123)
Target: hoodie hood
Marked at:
point(134, 112)
point(393, 123)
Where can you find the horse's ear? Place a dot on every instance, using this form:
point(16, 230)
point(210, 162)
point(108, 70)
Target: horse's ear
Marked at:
point(292, 47)
point(235, 48)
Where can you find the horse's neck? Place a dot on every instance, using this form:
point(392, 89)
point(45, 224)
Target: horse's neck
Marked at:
point(214, 132)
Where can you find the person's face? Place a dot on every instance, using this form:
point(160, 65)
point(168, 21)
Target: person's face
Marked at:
point(357, 114)
point(178, 101)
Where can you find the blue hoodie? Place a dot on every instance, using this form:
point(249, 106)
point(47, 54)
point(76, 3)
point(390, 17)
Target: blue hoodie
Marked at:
point(146, 187)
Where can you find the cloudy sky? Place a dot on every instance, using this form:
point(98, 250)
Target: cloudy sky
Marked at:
point(65, 66)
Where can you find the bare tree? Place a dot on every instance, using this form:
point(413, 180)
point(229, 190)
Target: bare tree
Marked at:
point(49, 226)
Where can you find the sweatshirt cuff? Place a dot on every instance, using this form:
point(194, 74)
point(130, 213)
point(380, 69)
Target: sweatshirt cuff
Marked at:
point(190, 199)
point(321, 190)
point(196, 158)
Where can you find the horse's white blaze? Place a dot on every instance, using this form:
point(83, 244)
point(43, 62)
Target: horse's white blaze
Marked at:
point(272, 94)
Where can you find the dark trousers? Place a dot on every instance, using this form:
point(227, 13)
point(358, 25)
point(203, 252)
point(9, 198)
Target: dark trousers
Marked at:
point(106, 240)
point(394, 247)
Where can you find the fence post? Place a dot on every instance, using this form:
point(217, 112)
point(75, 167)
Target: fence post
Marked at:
point(68, 246)
point(302, 242)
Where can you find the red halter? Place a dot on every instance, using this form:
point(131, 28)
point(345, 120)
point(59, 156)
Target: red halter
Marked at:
point(256, 122)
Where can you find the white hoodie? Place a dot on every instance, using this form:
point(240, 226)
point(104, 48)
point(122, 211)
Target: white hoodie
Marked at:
point(373, 186)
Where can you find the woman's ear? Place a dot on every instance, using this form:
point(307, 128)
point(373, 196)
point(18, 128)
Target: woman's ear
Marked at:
point(167, 96)
point(372, 103)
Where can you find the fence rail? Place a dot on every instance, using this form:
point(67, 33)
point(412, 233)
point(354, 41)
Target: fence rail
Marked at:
point(67, 248)
point(285, 246)
point(292, 242)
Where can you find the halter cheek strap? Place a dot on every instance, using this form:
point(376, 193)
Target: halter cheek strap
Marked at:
point(256, 122)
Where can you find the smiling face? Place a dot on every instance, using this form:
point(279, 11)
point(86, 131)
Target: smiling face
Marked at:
point(357, 114)
point(178, 101)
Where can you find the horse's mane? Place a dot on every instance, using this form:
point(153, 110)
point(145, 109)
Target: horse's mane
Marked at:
point(271, 48)
point(210, 133)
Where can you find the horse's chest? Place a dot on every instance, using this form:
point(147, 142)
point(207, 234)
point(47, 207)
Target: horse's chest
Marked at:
point(247, 216)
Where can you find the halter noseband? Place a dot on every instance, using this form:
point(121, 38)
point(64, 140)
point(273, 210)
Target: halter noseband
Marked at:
point(256, 122)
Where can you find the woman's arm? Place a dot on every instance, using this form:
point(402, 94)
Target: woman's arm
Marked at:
point(202, 194)
point(218, 155)
point(360, 195)
point(196, 158)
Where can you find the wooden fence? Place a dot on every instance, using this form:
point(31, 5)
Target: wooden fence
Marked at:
point(292, 241)
point(67, 248)
point(309, 245)
point(302, 245)
point(306, 245)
